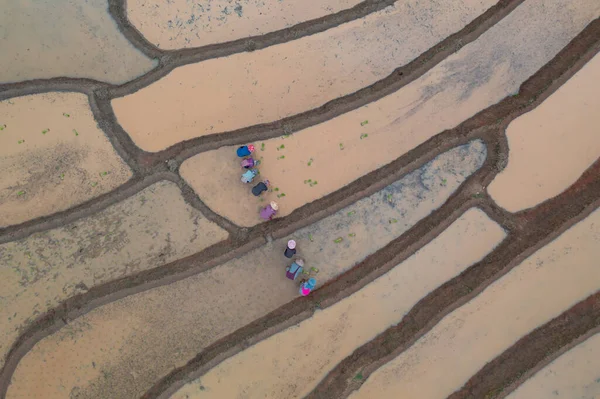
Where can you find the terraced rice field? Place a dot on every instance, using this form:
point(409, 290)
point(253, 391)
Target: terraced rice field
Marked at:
point(436, 162)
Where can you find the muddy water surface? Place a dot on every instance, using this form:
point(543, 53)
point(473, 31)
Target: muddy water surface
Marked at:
point(72, 38)
point(149, 229)
point(551, 146)
point(191, 23)
point(176, 321)
point(576, 374)
point(546, 284)
point(52, 156)
point(345, 148)
point(291, 363)
point(263, 86)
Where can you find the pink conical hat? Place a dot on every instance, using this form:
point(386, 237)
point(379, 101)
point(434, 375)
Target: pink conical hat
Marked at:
point(291, 244)
point(251, 147)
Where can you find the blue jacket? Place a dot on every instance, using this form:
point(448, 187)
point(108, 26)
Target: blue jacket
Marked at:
point(243, 151)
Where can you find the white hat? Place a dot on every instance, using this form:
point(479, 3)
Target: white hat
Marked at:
point(274, 205)
point(291, 244)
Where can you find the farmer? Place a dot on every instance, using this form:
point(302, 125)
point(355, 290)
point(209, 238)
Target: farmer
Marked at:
point(268, 212)
point(307, 286)
point(249, 175)
point(295, 269)
point(245, 150)
point(249, 163)
point(260, 188)
point(290, 250)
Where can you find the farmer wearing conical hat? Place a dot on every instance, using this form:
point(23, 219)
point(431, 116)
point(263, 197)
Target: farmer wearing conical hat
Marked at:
point(290, 250)
point(269, 211)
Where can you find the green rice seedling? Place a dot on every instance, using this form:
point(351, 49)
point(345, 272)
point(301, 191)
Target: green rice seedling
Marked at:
point(338, 240)
point(281, 157)
point(351, 213)
point(45, 131)
point(359, 376)
point(94, 183)
point(393, 221)
point(310, 237)
point(310, 161)
point(103, 174)
point(281, 195)
point(262, 146)
point(351, 235)
point(364, 136)
point(21, 141)
point(66, 115)
point(341, 146)
point(2, 127)
point(365, 122)
point(75, 131)
point(389, 198)
point(444, 181)
point(20, 193)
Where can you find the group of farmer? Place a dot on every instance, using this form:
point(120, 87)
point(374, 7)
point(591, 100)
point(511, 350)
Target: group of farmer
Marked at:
point(296, 269)
point(249, 164)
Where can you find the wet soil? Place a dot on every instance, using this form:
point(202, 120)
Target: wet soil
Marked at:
point(291, 363)
point(551, 146)
point(185, 23)
point(497, 379)
point(543, 220)
point(550, 281)
point(266, 85)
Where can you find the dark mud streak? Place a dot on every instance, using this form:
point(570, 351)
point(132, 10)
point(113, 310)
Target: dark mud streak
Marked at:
point(97, 204)
point(118, 10)
point(539, 346)
point(399, 78)
point(120, 140)
point(547, 360)
point(38, 86)
point(190, 197)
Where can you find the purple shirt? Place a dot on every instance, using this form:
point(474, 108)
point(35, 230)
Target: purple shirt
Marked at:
point(248, 163)
point(267, 212)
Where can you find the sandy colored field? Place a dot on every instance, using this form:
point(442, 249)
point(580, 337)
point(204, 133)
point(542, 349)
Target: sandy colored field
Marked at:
point(551, 146)
point(546, 284)
point(72, 38)
point(576, 374)
point(150, 229)
point(52, 156)
point(166, 326)
point(185, 23)
point(291, 363)
point(263, 86)
point(479, 75)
